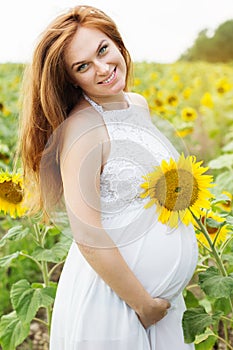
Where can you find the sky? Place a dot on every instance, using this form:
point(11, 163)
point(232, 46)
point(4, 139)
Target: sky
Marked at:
point(153, 30)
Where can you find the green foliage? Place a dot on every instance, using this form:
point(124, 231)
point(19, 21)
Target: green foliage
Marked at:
point(46, 254)
point(214, 305)
point(26, 299)
point(205, 341)
point(215, 48)
point(215, 285)
point(13, 331)
point(195, 322)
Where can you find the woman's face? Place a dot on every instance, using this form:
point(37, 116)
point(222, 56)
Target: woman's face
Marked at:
point(95, 63)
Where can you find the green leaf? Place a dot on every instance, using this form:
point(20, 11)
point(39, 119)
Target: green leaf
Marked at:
point(56, 254)
point(206, 303)
point(200, 338)
point(205, 341)
point(15, 233)
point(225, 160)
point(195, 321)
point(12, 331)
point(223, 305)
point(213, 223)
point(190, 300)
point(6, 260)
point(214, 284)
point(27, 300)
point(207, 344)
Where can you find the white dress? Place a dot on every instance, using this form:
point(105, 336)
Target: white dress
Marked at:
point(88, 314)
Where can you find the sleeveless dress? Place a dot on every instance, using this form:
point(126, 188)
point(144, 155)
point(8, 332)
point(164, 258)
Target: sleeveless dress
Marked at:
point(88, 314)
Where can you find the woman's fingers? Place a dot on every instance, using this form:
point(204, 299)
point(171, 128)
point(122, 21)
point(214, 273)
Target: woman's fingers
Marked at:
point(155, 313)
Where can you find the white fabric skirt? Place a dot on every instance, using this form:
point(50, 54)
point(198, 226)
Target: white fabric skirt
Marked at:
point(89, 315)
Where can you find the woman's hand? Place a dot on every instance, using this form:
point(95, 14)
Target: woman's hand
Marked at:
point(153, 312)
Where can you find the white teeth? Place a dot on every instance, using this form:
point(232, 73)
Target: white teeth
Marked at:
point(109, 79)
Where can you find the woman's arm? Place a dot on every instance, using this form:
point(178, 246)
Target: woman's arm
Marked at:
point(80, 167)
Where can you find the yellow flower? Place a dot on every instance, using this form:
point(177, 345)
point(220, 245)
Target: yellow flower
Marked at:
point(186, 93)
point(176, 77)
point(146, 93)
point(158, 103)
point(154, 76)
point(11, 194)
point(184, 132)
point(207, 100)
point(158, 106)
point(172, 100)
point(215, 234)
point(188, 114)
point(227, 204)
point(223, 86)
point(176, 188)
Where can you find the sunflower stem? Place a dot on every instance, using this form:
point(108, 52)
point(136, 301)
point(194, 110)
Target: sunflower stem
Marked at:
point(37, 233)
point(225, 331)
point(44, 268)
point(41, 321)
point(45, 274)
point(204, 246)
point(31, 258)
point(230, 320)
point(213, 249)
point(55, 267)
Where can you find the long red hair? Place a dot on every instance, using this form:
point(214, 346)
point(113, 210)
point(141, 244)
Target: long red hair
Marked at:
point(49, 96)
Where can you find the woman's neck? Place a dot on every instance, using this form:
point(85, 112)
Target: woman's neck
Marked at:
point(111, 101)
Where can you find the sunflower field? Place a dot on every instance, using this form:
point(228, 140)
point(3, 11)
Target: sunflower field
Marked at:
point(192, 103)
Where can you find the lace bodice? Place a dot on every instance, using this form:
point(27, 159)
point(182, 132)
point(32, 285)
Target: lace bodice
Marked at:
point(136, 146)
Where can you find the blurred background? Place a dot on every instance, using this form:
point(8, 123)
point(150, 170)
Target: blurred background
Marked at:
point(158, 31)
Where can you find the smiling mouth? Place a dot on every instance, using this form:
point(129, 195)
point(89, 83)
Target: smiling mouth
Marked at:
point(110, 79)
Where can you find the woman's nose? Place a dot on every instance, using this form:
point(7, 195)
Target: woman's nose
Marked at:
point(102, 68)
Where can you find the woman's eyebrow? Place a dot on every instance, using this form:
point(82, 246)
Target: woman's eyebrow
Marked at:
point(80, 62)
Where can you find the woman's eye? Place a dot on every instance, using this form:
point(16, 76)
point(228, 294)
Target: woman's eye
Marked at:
point(82, 67)
point(103, 49)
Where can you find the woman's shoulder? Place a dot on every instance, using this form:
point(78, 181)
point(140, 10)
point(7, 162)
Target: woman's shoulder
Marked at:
point(137, 99)
point(83, 124)
point(83, 116)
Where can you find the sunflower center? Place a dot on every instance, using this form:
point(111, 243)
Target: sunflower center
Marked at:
point(221, 90)
point(227, 204)
point(158, 102)
point(11, 192)
point(176, 190)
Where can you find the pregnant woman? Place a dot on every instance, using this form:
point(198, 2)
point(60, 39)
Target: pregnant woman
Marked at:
point(88, 140)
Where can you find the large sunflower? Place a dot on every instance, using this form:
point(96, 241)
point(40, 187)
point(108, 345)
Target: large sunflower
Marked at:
point(217, 235)
point(11, 194)
point(176, 188)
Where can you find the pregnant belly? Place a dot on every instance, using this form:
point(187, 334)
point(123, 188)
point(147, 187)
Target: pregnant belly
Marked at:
point(163, 260)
